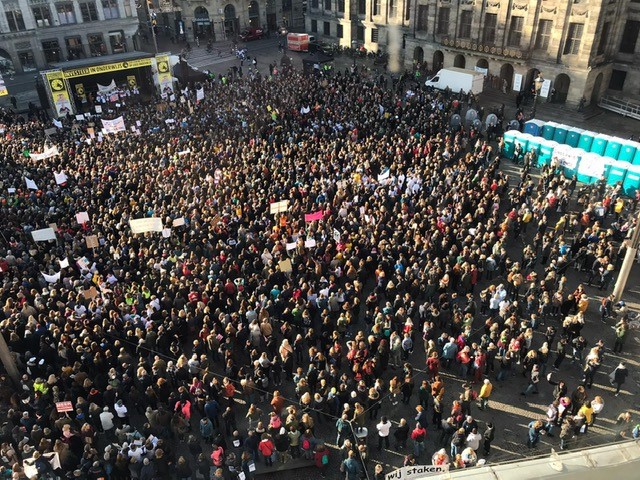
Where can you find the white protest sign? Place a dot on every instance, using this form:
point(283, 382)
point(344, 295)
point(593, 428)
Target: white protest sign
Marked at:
point(336, 235)
point(310, 243)
point(64, 263)
point(82, 217)
point(31, 185)
point(11, 190)
point(114, 126)
point(60, 178)
point(166, 232)
point(57, 123)
point(291, 246)
point(178, 222)
point(279, 207)
point(200, 94)
point(142, 225)
point(43, 235)
point(384, 175)
point(98, 109)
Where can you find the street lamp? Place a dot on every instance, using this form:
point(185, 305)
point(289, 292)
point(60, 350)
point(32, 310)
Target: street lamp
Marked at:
point(538, 86)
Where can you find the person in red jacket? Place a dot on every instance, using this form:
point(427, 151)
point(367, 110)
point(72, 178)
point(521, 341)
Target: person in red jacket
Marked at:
point(217, 456)
point(267, 448)
point(321, 458)
point(419, 436)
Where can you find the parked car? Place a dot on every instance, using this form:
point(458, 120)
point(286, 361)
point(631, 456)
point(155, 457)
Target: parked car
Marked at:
point(251, 34)
point(321, 47)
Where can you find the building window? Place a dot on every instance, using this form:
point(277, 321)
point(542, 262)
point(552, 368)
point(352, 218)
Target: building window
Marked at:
point(42, 16)
point(89, 12)
point(314, 26)
point(543, 36)
point(326, 28)
point(117, 41)
point(110, 9)
point(466, 17)
point(327, 5)
point(515, 32)
point(360, 33)
point(128, 11)
point(617, 80)
point(51, 50)
point(630, 36)
point(340, 6)
point(66, 15)
point(407, 10)
point(423, 18)
point(489, 28)
point(443, 21)
point(604, 38)
point(393, 8)
point(374, 35)
point(15, 21)
point(574, 36)
point(339, 31)
point(314, 3)
point(376, 7)
point(97, 47)
point(27, 61)
point(362, 7)
point(74, 47)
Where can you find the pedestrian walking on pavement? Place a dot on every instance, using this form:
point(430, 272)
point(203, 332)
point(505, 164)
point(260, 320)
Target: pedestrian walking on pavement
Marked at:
point(384, 428)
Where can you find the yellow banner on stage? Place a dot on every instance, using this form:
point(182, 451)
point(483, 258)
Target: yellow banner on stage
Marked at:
point(110, 67)
point(59, 93)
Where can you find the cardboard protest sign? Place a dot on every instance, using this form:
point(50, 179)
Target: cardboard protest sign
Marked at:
point(92, 241)
point(285, 266)
point(62, 407)
point(310, 243)
point(178, 222)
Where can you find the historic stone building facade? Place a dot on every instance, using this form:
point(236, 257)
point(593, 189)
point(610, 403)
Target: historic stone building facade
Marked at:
point(37, 33)
point(585, 47)
point(222, 19)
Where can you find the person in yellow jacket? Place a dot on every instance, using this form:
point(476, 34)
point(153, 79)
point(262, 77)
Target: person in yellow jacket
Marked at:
point(485, 393)
point(587, 411)
point(618, 207)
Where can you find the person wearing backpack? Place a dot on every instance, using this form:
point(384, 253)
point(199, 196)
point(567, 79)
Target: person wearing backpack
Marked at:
point(321, 458)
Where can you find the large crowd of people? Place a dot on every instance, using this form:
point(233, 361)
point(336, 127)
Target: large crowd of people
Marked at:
point(403, 257)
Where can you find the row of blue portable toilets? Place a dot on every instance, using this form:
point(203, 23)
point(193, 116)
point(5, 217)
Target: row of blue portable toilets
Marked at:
point(592, 155)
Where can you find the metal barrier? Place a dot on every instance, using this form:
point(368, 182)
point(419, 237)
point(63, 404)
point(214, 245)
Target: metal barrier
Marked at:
point(623, 107)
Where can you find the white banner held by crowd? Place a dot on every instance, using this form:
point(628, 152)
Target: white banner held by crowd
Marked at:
point(200, 94)
point(143, 225)
point(43, 235)
point(51, 278)
point(114, 126)
point(47, 153)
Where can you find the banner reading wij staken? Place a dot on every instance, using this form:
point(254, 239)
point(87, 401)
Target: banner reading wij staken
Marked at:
point(415, 472)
